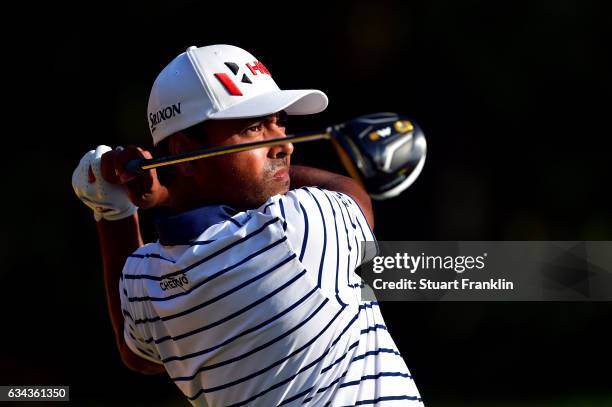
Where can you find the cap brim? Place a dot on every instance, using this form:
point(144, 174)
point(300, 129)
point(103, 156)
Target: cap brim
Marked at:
point(294, 102)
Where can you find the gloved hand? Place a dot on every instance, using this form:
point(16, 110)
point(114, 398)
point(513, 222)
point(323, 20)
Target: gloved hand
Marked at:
point(108, 201)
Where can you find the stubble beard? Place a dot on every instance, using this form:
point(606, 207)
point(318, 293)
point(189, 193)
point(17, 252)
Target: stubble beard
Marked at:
point(270, 168)
point(253, 196)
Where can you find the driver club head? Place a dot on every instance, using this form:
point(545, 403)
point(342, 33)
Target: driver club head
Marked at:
point(385, 151)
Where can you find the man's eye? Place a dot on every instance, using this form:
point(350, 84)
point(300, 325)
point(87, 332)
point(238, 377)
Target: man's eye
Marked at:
point(256, 128)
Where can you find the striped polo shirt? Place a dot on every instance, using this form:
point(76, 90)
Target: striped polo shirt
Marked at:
point(263, 307)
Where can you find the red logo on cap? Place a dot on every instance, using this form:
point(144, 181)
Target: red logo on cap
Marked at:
point(258, 66)
point(228, 84)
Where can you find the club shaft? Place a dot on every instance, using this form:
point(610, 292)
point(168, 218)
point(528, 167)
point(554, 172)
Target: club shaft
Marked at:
point(137, 166)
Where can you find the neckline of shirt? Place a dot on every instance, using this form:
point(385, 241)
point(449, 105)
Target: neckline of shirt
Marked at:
point(185, 227)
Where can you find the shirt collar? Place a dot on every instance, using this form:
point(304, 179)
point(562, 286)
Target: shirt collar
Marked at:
point(187, 226)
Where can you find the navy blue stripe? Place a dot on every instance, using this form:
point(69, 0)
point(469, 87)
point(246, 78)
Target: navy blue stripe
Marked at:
point(255, 328)
point(211, 277)
point(127, 314)
point(360, 227)
point(234, 221)
point(376, 352)
point(297, 396)
point(364, 217)
point(375, 377)
point(344, 223)
point(305, 238)
point(218, 252)
point(335, 362)
point(145, 351)
point(384, 350)
point(282, 208)
point(254, 350)
point(220, 296)
point(152, 255)
point(324, 237)
point(342, 303)
point(361, 307)
point(323, 389)
point(369, 229)
point(358, 257)
point(235, 314)
point(265, 208)
point(303, 369)
point(357, 245)
point(386, 398)
point(278, 362)
point(348, 242)
point(374, 328)
point(346, 371)
point(201, 242)
point(346, 204)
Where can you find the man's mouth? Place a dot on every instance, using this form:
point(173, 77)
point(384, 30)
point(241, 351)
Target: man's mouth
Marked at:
point(282, 174)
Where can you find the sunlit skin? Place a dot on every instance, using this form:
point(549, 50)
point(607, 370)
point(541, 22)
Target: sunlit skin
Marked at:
point(243, 180)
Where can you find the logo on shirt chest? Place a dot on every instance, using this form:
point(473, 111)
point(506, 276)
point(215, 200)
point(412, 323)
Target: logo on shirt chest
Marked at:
point(172, 282)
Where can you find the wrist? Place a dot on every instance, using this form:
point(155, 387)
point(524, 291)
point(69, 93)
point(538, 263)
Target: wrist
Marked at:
point(113, 214)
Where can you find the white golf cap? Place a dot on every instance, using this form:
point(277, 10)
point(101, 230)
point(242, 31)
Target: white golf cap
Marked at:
point(220, 82)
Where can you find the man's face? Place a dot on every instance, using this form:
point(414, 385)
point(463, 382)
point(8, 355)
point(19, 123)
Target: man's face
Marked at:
point(247, 179)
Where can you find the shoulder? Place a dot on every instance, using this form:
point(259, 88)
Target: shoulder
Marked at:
point(155, 251)
point(306, 207)
point(305, 198)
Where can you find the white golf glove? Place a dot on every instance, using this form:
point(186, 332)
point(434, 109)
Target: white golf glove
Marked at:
point(108, 201)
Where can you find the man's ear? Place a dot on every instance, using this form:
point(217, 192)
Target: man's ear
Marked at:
point(181, 143)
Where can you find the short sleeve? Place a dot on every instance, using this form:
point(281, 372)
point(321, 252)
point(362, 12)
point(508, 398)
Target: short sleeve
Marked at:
point(135, 339)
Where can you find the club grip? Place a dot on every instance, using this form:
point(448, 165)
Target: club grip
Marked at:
point(135, 167)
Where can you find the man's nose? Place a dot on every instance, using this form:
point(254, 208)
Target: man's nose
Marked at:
point(281, 150)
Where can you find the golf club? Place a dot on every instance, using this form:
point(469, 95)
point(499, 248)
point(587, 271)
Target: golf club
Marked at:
point(385, 152)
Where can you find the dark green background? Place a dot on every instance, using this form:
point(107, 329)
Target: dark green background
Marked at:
point(513, 96)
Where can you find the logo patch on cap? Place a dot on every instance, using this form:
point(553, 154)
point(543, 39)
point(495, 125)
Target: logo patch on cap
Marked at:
point(256, 68)
point(228, 84)
point(165, 113)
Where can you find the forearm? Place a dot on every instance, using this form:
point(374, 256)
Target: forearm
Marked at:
point(119, 239)
point(309, 176)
